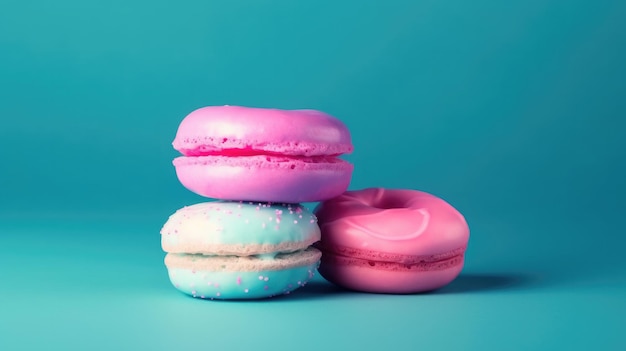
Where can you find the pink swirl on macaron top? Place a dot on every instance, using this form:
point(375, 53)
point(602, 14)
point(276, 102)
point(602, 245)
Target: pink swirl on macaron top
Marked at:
point(245, 131)
point(409, 225)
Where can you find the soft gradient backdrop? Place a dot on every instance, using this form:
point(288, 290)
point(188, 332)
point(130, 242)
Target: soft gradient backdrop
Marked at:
point(513, 111)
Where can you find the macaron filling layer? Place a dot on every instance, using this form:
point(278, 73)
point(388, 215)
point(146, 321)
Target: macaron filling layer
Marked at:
point(217, 263)
point(330, 258)
point(385, 257)
point(303, 163)
point(242, 148)
point(390, 261)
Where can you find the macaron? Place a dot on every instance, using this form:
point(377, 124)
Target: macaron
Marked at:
point(391, 241)
point(258, 154)
point(240, 250)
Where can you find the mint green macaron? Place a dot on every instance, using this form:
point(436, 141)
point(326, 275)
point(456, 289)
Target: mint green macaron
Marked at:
point(240, 250)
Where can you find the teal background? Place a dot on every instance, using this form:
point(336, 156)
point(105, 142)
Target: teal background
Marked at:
point(513, 111)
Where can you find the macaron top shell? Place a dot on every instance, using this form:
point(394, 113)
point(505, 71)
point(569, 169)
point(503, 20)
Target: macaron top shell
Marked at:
point(236, 130)
point(239, 228)
point(406, 224)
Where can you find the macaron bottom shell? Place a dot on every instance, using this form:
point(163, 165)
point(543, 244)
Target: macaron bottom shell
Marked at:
point(263, 178)
point(362, 278)
point(237, 278)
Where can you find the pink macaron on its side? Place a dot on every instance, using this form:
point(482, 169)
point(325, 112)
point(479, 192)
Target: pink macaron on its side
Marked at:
point(258, 154)
point(391, 241)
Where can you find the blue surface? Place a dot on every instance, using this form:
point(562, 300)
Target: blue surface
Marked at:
point(512, 111)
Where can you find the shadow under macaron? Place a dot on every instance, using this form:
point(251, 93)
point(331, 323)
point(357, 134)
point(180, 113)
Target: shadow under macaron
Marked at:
point(463, 284)
point(319, 288)
point(474, 283)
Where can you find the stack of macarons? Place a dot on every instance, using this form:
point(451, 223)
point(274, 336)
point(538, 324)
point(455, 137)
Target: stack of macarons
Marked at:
point(254, 239)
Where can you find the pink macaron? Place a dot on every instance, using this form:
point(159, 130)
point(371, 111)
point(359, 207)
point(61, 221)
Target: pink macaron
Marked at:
point(391, 241)
point(257, 154)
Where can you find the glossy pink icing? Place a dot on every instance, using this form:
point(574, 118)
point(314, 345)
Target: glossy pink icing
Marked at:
point(394, 233)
